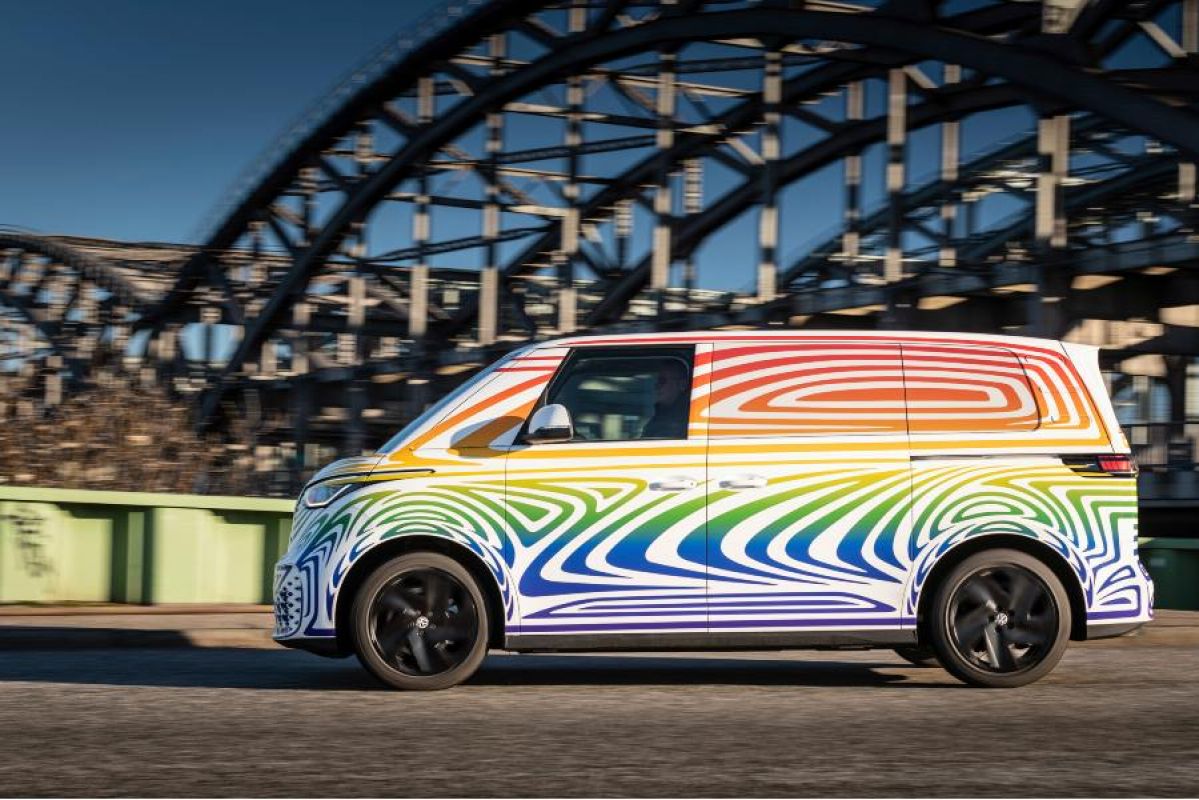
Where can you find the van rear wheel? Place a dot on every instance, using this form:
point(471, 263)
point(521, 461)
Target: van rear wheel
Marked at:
point(1000, 619)
point(420, 622)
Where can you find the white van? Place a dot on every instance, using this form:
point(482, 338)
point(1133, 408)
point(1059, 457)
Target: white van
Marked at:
point(963, 498)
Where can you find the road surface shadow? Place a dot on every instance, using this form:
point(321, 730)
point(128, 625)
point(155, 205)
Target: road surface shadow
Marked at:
point(229, 668)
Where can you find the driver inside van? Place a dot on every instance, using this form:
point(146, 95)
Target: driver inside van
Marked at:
point(672, 399)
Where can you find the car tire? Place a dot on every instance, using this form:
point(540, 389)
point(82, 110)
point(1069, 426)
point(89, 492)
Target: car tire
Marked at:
point(999, 619)
point(918, 655)
point(420, 622)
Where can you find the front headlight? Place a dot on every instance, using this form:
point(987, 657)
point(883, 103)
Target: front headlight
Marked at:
point(322, 494)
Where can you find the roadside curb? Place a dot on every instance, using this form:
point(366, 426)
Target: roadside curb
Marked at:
point(1169, 629)
point(28, 637)
point(66, 628)
point(106, 625)
point(128, 610)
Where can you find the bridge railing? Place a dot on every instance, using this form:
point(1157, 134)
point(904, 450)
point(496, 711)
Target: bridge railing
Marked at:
point(1165, 446)
point(68, 545)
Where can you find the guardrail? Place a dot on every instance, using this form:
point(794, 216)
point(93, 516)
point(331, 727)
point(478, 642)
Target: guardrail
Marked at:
point(64, 545)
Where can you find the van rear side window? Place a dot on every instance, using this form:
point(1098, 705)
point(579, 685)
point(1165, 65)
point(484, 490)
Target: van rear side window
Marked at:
point(967, 389)
point(805, 388)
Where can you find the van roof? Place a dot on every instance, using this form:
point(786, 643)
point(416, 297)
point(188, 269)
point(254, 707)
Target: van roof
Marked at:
point(689, 337)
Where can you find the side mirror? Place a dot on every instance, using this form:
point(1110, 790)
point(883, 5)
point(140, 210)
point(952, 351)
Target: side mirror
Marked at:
point(549, 424)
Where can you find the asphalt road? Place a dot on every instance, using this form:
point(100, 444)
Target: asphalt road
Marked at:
point(1110, 721)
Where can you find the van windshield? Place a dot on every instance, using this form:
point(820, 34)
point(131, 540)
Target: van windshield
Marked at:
point(445, 404)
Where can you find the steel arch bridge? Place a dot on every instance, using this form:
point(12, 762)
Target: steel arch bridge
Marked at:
point(538, 168)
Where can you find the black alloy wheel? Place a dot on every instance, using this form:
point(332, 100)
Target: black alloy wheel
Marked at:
point(1001, 618)
point(420, 622)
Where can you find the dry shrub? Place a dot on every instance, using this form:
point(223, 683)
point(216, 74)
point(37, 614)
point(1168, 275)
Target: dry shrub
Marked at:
point(119, 435)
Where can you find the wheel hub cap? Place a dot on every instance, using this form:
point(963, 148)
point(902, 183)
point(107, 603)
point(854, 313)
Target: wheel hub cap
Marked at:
point(424, 622)
point(1003, 619)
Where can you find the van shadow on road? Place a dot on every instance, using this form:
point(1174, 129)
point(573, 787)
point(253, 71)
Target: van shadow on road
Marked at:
point(229, 668)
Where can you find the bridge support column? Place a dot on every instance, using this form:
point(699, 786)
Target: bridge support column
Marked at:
point(1046, 315)
point(661, 258)
point(301, 408)
point(418, 302)
point(568, 246)
point(1176, 385)
point(855, 108)
point(768, 222)
point(53, 394)
point(301, 313)
point(355, 427)
point(897, 137)
point(489, 306)
point(1186, 169)
point(494, 145)
point(950, 161)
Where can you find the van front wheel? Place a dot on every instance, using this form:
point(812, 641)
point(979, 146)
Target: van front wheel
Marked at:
point(1001, 619)
point(420, 622)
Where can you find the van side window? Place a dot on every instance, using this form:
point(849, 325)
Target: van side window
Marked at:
point(955, 388)
point(623, 394)
point(809, 388)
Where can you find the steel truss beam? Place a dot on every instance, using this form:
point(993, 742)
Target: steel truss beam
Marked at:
point(73, 301)
point(310, 272)
point(1035, 73)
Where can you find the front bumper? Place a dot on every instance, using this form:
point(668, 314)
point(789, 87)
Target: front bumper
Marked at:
point(289, 601)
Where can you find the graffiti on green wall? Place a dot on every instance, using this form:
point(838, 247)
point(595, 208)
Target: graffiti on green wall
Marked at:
point(28, 530)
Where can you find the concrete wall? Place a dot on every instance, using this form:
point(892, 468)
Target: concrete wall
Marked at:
point(63, 545)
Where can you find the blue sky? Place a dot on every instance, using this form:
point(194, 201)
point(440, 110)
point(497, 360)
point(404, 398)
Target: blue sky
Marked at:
point(130, 118)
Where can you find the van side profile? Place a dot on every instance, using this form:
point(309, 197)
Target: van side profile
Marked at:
point(961, 498)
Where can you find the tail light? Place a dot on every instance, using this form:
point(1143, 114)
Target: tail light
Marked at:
point(1123, 466)
point(1115, 465)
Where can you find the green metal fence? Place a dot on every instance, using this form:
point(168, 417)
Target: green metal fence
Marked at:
point(63, 545)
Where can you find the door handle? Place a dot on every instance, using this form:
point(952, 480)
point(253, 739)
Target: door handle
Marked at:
point(674, 484)
point(744, 482)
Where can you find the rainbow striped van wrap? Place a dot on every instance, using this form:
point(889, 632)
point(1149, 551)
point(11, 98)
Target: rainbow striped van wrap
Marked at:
point(822, 479)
